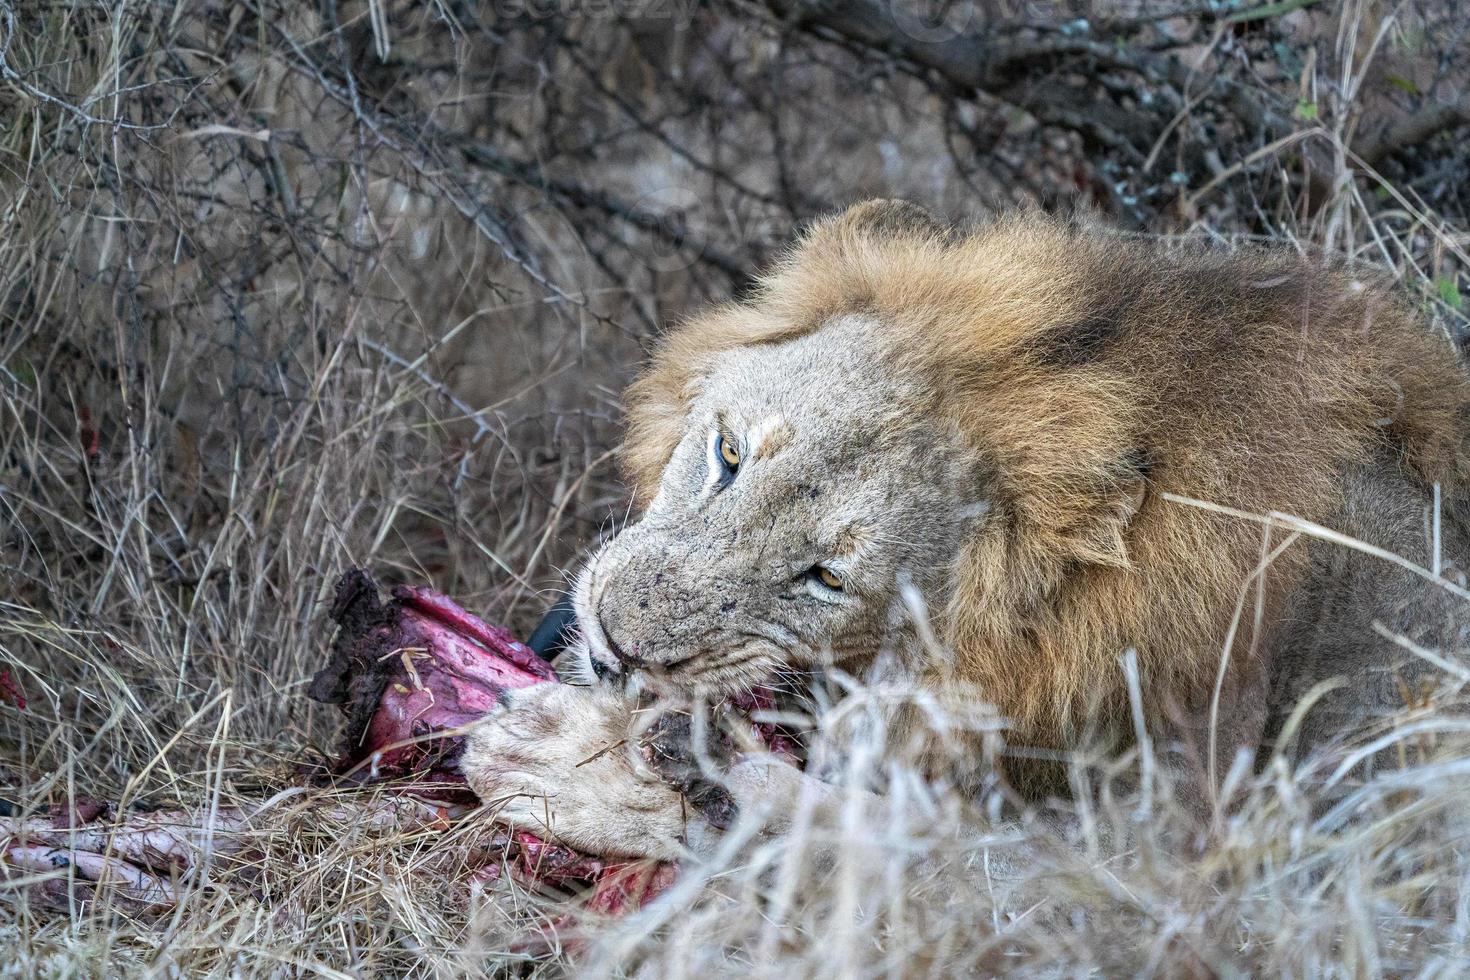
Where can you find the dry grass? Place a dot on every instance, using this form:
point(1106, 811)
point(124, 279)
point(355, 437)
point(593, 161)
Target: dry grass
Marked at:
point(272, 306)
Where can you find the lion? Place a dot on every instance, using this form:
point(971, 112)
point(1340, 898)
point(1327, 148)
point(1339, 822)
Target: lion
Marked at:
point(1242, 469)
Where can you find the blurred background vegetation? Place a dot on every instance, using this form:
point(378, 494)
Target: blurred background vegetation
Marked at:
point(287, 287)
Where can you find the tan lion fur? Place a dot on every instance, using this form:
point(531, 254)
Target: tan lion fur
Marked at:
point(994, 434)
point(1083, 369)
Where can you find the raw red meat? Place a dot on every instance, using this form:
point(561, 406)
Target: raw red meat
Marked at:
point(409, 674)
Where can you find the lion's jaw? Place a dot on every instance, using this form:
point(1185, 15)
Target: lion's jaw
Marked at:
point(718, 585)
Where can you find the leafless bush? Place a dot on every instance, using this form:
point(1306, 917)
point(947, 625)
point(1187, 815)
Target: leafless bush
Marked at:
point(286, 288)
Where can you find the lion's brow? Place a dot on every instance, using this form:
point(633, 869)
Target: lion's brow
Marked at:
point(767, 437)
point(853, 537)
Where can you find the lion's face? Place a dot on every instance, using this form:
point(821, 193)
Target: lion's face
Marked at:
point(805, 506)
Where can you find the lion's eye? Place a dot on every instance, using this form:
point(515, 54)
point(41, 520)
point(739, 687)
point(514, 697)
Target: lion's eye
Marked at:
point(827, 577)
point(729, 455)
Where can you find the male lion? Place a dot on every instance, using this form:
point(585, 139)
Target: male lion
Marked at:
point(1059, 442)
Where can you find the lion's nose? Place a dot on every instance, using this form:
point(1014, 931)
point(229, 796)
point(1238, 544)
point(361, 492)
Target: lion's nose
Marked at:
point(610, 672)
point(626, 660)
point(602, 670)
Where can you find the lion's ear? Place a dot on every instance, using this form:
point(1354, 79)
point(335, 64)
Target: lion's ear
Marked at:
point(884, 217)
point(1103, 514)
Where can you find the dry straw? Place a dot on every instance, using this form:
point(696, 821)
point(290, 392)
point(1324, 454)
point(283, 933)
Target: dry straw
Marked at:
point(289, 288)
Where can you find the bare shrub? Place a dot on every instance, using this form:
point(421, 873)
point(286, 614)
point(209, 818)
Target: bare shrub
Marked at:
point(287, 288)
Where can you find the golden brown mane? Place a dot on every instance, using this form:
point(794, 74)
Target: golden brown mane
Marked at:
point(1082, 367)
